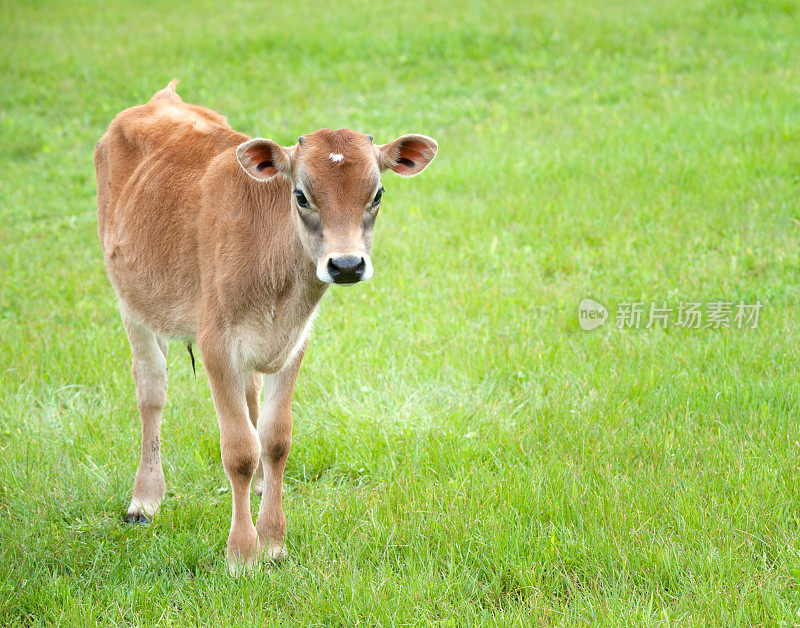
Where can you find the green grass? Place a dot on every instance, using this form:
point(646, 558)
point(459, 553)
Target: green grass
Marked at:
point(464, 452)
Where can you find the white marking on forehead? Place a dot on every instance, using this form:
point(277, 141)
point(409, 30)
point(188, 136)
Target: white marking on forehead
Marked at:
point(336, 157)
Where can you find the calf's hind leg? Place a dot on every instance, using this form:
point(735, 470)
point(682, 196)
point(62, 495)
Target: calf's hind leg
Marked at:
point(149, 366)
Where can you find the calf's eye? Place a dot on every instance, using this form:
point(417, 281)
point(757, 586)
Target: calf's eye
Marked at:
point(378, 196)
point(301, 198)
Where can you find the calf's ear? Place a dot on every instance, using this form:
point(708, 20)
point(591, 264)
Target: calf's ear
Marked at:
point(264, 159)
point(408, 154)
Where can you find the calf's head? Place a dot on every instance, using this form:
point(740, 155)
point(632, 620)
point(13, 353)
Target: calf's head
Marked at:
point(337, 191)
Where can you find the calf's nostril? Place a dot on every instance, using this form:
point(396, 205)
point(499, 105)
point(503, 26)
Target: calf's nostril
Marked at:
point(362, 266)
point(333, 269)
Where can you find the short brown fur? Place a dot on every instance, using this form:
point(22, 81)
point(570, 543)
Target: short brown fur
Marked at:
point(204, 241)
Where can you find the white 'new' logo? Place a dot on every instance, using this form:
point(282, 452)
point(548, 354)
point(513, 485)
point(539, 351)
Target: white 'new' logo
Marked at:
point(591, 314)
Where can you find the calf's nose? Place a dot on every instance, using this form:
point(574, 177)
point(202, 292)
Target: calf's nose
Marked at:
point(346, 268)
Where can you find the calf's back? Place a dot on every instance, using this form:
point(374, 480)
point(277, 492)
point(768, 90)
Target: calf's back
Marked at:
point(176, 214)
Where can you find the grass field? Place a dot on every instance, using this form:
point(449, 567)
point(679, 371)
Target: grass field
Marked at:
point(463, 452)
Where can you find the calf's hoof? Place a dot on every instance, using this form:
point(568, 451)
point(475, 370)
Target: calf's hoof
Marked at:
point(142, 511)
point(242, 551)
point(140, 518)
point(274, 554)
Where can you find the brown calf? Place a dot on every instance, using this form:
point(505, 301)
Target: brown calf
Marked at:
point(211, 236)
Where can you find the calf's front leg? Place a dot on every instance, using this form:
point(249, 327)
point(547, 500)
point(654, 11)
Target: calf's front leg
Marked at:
point(275, 432)
point(252, 391)
point(239, 446)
